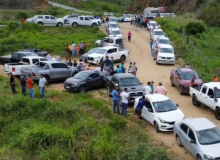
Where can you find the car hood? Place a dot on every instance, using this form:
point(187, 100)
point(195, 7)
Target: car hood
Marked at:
point(160, 54)
point(132, 88)
point(94, 55)
point(98, 41)
point(156, 36)
point(211, 150)
point(117, 35)
point(7, 56)
point(171, 116)
point(60, 19)
point(86, 54)
point(197, 81)
point(73, 80)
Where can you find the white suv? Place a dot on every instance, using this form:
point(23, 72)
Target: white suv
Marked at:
point(47, 20)
point(165, 55)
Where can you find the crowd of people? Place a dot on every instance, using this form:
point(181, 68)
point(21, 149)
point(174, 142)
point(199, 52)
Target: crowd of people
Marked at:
point(73, 50)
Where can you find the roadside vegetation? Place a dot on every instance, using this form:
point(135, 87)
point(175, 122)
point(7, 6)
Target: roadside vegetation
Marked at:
point(51, 39)
point(69, 126)
point(202, 50)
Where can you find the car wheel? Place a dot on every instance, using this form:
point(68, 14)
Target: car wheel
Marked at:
point(157, 62)
point(171, 82)
point(180, 90)
point(122, 59)
point(156, 127)
point(198, 157)
point(74, 24)
point(82, 89)
point(217, 113)
point(94, 25)
point(40, 23)
point(59, 24)
point(195, 102)
point(108, 91)
point(178, 141)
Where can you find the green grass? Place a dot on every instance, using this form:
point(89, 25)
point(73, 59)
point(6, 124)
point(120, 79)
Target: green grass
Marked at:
point(51, 39)
point(203, 50)
point(68, 126)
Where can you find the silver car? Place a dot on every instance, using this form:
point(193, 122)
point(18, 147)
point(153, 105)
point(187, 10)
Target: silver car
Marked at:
point(200, 137)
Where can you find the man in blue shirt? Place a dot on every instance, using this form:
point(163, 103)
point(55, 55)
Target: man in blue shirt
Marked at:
point(116, 97)
point(123, 68)
point(107, 63)
point(138, 110)
point(118, 69)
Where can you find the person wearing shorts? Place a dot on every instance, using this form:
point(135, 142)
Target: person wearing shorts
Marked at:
point(138, 110)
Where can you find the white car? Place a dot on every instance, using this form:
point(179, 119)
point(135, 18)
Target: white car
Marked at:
point(127, 18)
point(112, 25)
point(48, 20)
point(111, 41)
point(68, 18)
point(155, 33)
point(152, 24)
point(99, 21)
point(199, 136)
point(115, 33)
point(163, 40)
point(165, 55)
point(161, 112)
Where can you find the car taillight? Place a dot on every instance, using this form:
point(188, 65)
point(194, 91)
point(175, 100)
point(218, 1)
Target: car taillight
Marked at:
point(13, 69)
point(32, 74)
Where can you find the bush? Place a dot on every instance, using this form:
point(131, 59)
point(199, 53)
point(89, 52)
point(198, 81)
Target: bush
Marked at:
point(22, 14)
point(194, 28)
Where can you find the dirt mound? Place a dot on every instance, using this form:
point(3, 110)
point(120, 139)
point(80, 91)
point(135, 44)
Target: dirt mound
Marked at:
point(41, 4)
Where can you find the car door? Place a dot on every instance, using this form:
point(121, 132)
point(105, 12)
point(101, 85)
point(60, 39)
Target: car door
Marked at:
point(114, 53)
point(113, 83)
point(183, 134)
point(148, 112)
point(177, 78)
point(191, 143)
point(35, 60)
point(60, 71)
point(203, 94)
point(210, 99)
point(53, 21)
point(87, 21)
point(81, 20)
point(93, 81)
point(47, 21)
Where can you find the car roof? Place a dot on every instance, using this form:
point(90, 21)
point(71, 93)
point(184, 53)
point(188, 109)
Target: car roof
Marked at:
point(124, 75)
point(157, 30)
point(186, 69)
point(157, 97)
point(213, 84)
point(26, 52)
point(115, 29)
point(166, 46)
point(199, 123)
point(50, 62)
point(162, 37)
point(112, 22)
point(89, 71)
point(108, 47)
point(33, 57)
point(152, 21)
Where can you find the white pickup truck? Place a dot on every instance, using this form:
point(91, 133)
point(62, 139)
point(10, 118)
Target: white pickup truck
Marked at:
point(15, 68)
point(47, 20)
point(82, 21)
point(207, 94)
point(116, 52)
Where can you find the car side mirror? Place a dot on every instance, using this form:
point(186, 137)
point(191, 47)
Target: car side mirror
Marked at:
point(177, 105)
point(216, 100)
point(192, 141)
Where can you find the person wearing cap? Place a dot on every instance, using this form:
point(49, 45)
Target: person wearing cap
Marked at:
point(116, 96)
point(141, 103)
point(147, 89)
point(161, 89)
point(31, 86)
point(124, 99)
point(23, 85)
point(12, 83)
point(215, 78)
point(42, 84)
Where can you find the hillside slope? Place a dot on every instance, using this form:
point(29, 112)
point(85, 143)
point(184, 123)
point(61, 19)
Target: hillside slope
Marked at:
point(22, 4)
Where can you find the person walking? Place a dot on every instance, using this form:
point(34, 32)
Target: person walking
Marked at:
point(116, 97)
point(151, 45)
point(124, 99)
point(123, 69)
point(23, 85)
point(118, 69)
point(161, 89)
point(141, 103)
point(42, 84)
point(148, 89)
point(12, 84)
point(129, 36)
point(31, 87)
point(152, 49)
point(215, 78)
point(101, 63)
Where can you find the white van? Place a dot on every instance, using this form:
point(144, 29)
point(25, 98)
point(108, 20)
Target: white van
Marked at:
point(150, 11)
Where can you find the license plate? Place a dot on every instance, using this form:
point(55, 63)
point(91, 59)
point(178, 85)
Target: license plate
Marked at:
point(67, 87)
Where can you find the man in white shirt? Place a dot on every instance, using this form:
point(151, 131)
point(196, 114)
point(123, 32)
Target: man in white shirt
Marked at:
point(81, 65)
point(124, 99)
point(42, 84)
point(148, 89)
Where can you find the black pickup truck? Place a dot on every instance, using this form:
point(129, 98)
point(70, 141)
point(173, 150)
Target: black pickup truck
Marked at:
point(15, 57)
point(125, 80)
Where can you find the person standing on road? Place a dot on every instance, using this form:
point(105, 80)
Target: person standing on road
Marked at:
point(75, 63)
point(148, 89)
point(107, 63)
point(192, 82)
point(124, 99)
point(134, 68)
point(116, 97)
point(70, 63)
point(138, 110)
point(81, 65)
point(42, 85)
point(153, 48)
point(123, 69)
point(118, 69)
point(31, 86)
point(12, 84)
point(131, 20)
point(23, 85)
point(70, 47)
point(151, 45)
point(152, 86)
point(112, 63)
point(129, 36)
point(161, 89)
point(101, 63)
point(215, 78)
point(74, 49)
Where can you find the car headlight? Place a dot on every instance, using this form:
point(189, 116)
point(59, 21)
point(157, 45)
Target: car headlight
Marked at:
point(208, 157)
point(162, 121)
point(159, 57)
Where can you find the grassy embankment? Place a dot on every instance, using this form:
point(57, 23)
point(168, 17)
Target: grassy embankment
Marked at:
point(69, 126)
point(203, 50)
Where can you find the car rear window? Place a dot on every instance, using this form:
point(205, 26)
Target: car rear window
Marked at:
point(25, 60)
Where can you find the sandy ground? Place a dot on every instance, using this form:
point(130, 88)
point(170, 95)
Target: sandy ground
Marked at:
point(148, 71)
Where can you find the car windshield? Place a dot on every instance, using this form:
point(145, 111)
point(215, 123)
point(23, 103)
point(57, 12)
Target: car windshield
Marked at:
point(82, 75)
point(217, 93)
point(166, 50)
point(93, 50)
point(164, 41)
point(101, 51)
point(164, 106)
point(129, 82)
point(154, 24)
point(158, 33)
point(189, 75)
point(209, 136)
point(115, 32)
point(113, 25)
point(112, 20)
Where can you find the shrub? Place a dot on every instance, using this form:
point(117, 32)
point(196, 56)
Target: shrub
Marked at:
point(22, 14)
point(193, 28)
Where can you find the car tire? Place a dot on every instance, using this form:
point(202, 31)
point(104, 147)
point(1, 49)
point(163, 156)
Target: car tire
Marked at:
point(178, 141)
point(156, 127)
point(157, 62)
point(195, 102)
point(40, 23)
point(198, 157)
point(82, 89)
point(217, 113)
point(94, 25)
point(171, 82)
point(59, 24)
point(108, 91)
point(74, 24)
point(122, 59)
point(180, 90)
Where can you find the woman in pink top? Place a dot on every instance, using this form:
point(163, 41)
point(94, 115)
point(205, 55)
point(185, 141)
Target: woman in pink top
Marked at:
point(161, 89)
point(129, 36)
